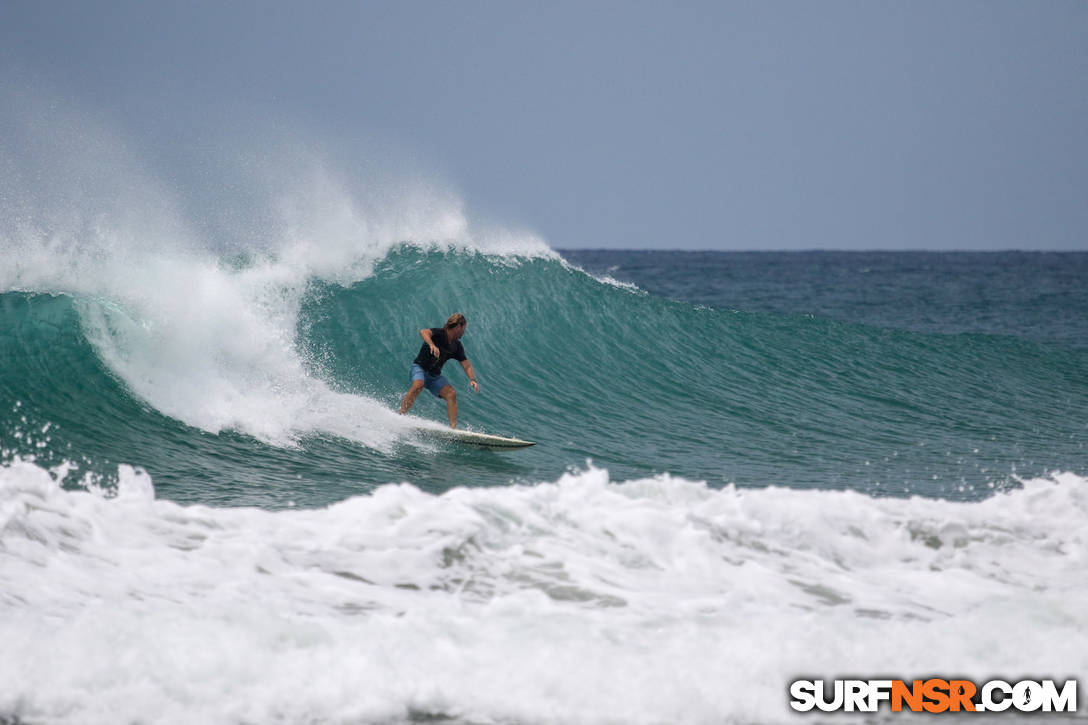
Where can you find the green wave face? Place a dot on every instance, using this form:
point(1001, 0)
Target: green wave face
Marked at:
point(589, 369)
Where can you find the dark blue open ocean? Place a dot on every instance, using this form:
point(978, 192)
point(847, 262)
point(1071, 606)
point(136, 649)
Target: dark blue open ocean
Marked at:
point(750, 467)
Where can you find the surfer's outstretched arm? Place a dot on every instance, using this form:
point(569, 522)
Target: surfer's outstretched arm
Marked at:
point(471, 375)
point(425, 333)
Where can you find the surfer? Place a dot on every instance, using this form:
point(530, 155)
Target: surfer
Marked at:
point(439, 345)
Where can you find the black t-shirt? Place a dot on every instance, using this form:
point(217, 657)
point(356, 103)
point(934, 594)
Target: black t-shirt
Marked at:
point(446, 351)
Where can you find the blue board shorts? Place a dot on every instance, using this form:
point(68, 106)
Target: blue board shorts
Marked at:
point(434, 383)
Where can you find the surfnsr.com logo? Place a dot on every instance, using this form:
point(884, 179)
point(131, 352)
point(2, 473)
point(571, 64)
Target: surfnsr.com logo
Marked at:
point(933, 695)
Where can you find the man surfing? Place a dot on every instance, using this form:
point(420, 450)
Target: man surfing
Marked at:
point(439, 345)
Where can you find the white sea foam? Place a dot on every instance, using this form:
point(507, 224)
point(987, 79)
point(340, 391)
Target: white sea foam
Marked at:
point(607, 279)
point(201, 327)
point(625, 286)
point(579, 601)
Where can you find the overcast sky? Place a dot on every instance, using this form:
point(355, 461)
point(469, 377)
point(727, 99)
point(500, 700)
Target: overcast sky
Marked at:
point(721, 125)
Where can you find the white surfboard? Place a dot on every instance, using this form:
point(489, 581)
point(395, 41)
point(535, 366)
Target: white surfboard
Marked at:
point(479, 440)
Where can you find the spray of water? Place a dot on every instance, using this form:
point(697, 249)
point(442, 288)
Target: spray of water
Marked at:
point(194, 303)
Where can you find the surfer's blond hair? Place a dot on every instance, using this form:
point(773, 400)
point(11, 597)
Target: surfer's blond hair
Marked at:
point(455, 319)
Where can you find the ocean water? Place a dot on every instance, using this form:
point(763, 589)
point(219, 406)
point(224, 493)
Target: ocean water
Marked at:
point(750, 468)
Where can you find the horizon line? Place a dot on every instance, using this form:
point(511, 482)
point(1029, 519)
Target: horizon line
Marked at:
point(816, 250)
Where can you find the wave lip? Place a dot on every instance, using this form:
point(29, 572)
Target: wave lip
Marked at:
point(581, 600)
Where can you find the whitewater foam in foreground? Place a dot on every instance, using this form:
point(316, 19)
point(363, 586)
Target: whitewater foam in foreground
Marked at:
point(582, 600)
